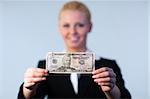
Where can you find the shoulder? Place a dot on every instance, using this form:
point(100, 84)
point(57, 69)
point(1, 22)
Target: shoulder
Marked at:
point(106, 59)
point(106, 62)
point(41, 63)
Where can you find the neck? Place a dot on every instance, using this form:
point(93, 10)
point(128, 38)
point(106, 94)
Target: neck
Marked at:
point(76, 49)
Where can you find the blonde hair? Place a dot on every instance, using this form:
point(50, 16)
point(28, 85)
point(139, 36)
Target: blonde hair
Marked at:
point(76, 5)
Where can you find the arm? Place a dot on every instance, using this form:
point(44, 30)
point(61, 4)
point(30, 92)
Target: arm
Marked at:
point(34, 82)
point(32, 77)
point(106, 79)
point(28, 92)
point(114, 93)
point(115, 86)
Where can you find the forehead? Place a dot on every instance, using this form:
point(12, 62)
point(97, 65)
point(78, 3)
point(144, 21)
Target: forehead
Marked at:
point(73, 15)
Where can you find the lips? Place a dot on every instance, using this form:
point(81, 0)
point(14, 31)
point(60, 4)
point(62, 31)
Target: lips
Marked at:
point(74, 39)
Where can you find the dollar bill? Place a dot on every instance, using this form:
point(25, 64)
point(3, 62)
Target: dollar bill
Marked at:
point(67, 62)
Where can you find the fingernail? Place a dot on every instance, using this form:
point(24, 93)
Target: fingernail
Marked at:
point(46, 74)
point(43, 78)
point(46, 71)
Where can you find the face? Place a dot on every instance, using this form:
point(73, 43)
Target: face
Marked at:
point(74, 27)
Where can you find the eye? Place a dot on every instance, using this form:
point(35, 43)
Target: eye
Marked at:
point(66, 25)
point(80, 25)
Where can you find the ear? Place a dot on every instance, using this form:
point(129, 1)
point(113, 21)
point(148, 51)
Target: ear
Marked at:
point(90, 26)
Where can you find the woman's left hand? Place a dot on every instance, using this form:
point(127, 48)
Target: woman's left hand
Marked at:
point(105, 77)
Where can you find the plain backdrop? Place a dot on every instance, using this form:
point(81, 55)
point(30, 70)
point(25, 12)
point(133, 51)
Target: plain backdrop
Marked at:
point(149, 48)
point(29, 29)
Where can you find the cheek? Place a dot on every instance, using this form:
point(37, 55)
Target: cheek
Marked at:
point(84, 31)
point(84, 37)
point(63, 32)
point(64, 36)
point(83, 34)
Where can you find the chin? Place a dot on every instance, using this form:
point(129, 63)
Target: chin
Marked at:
point(74, 47)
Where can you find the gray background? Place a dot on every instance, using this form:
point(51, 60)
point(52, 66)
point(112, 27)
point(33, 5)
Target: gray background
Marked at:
point(28, 30)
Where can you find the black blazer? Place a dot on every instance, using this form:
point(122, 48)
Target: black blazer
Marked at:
point(60, 86)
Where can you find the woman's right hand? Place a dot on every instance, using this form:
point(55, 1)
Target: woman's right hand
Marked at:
point(33, 76)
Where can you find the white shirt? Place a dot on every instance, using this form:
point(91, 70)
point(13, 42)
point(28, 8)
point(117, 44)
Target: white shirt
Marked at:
point(74, 81)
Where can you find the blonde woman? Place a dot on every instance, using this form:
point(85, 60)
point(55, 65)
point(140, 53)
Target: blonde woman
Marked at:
point(105, 82)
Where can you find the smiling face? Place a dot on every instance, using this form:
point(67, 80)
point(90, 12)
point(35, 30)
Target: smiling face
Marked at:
point(74, 27)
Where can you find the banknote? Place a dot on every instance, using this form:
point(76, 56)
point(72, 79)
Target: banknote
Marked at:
point(70, 62)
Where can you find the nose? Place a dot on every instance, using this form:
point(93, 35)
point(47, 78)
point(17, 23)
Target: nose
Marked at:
point(73, 30)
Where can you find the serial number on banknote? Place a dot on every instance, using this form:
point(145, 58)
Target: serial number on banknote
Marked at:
point(67, 62)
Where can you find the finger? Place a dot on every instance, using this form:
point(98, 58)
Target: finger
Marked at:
point(100, 70)
point(34, 74)
point(106, 88)
point(104, 74)
point(34, 80)
point(108, 79)
point(40, 70)
point(107, 85)
point(28, 84)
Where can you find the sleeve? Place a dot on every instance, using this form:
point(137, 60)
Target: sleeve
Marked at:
point(125, 94)
point(20, 94)
point(120, 82)
point(41, 90)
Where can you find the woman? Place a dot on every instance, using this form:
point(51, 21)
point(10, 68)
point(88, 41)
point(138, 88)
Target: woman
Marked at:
point(104, 82)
